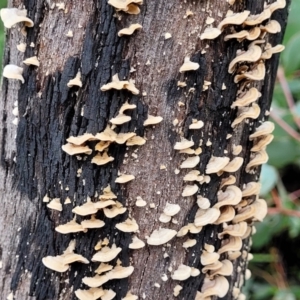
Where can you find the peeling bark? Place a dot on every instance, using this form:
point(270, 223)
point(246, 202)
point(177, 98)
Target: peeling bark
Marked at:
point(33, 164)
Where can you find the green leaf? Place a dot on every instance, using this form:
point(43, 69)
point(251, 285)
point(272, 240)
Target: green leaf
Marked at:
point(268, 178)
point(291, 57)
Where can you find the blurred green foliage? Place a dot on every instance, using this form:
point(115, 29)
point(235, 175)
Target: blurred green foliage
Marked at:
point(3, 3)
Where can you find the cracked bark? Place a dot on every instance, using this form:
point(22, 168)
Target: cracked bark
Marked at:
point(50, 112)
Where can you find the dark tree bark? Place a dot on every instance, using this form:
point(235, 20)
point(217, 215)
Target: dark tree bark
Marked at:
point(33, 164)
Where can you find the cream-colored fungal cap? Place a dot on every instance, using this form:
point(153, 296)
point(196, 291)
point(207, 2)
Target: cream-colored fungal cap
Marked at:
point(102, 145)
point(12, 16)
point(190, 190)
point(234, 165)
point(208, 258)
point(129, 30)
point(196, 124)
point(231, 196)
point(247, 98)
point(190, 162)
point(206, 216)
point(272, 26)
point(126, 106)
point(228, 181)
point(219, 286)
point(55, 204)
point(216, 164)
point(123, 137)
point(279, 4)
point(234, 230)
point(13, 72)
point(120, 272)
point(114, 211)
point(182, 273)
point(261, 157)
point(136, 243)
point(55, 263)
point(234, 19)
point(171, 209)
point(259, 18)
point(102, 159)
point(124, 178)
point(75, 81)
point(262, 143)
point(21, 47)
point(187, 151)
point(270, 51)
point(189, 228)
point(210, 33)
point(129, 225)
point(152, 120)
point(86, 209)
point(107, 194)
point(189, 243)
point(202, 202)
point(188, 65)
point(177, 290)
point(103, 267)
point(135, 141)
point(251, 112)
point(119, 85)
point(96, 281)
point(233, 243)
point(251, 188)
point(130, 296)
point(107, 254)
point(252, 55)
point(69, 227)
point(191, 176)
point(107, 135)
point(257, 73)
point(93, 222)
point(215, 266)
point(161, 236)
point(184, 144)
point(128, 6)
point(227, 214)
point(31, 61)
point(120, 119)
point(264, 129)
point(225, 270)
point(90, 294)
point(81, 139)
point(74, 149)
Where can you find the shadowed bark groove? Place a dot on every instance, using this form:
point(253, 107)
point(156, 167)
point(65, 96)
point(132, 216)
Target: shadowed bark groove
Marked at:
point(33, 164)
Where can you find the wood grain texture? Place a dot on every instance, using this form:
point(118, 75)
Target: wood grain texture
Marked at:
point(50, 112)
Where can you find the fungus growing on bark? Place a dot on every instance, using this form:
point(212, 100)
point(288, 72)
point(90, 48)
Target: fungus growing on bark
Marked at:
point(129, 30)
point(190, 190)
point(208, 258)
point(227, 214)
point(261, 157)
point(228, 181)
point(272, 26)
point(135, 141)
point(136, 243)
point(128, 6)
point(183, 272)
point(184, 144)
point(103, 267)
point(119, 85)
point(264, 129)
point(259, 18)
point(257, 73)
point(272, 50)
point(216, 164)
point(114, 211)
point(120, 119)
point(129, 225)
point(276, 5)
point(206, 216)
point(177, 290)
point(188, 66)
point(262, 143)
point(190, 162)
point(75, 81)
point(202, 202)
point(218, 286)
point(251, 112)
point(96, 281)
point(161, 236)
point(74, 149)
point(107, 194)
point(86, 209)
point(31, 61)
point(93, 222)
point(252, 188)
point(247, 98)
point(231, 196)
point(70, 227)
point(123, 137)
point(189, 243)
point(234, 165)
point(130, 296)
point(81, 139)
point(55, 204)
point(210, 33)
point(107, 135)
point(233, 243)
point(108, 295)
point(12, 16)
point(225, 270)
point(107, 254)
point(192, 176)
point(238, 229)
point(21, 47)
point(90, 294)
point(237, 149)
point(234, 19)
point(152, 120)
point(171, 209)
point(120, 272)
point(102, 145)
point(189, 228)
point(124, 178)
point(252, 55)
point(13, 72)
point(187, 151)
point(102, 159)
point(196, 124)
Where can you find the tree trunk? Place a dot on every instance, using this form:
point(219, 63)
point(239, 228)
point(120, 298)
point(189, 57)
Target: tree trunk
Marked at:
point(33, 164)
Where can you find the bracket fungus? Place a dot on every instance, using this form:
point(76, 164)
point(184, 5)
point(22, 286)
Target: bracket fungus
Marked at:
point(190, 162)
point(208, 258)
point(129, 30)
point(251, 112)
point(85, 209)
point(128, 6)
point(262, 143)
point(114, 211)
point(272, 26)
point(171, 209)
point(193, 175)
point(108, 135)
point(189, 228)
point(190, 190)
point(12, 16)
point(120, 119)
point(202, 202)
point(13, 72)
point(31, 61)
point(238, 229)
point(75, 81)
point(261, 157)
point(259, 18)
point(183, 272)
point(55, 204)
point(135, 141)
point(247, 98)
point(264, 129)
point(216, 164)
point(81, 139)
point(233, 243)
point(129, 225)
point(136, 243)
point(69, 227)
point(279, 4)
point(196, 124)
point(92, 223)
point(257, 73)
point(124, 178)
point(234, 165)
point(189, 243)
point(228, 181)
point(251, 188)
point(90, 294)
point(117, 84)
point(225, 270)
point(161, 236)
point(231, 196)
point(184, 144)
point(218, 286)
point(206, 216)
point(152, 120)
point(227, 215)
point(188, 65)
point(72, 149)
point(270, 51)
point(107, 194)
point(107, 254)
point(102, 159)
point(210, 33)
point(234, 19)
